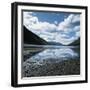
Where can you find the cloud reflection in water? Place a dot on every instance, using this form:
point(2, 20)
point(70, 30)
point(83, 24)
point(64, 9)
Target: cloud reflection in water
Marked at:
point(54, 55)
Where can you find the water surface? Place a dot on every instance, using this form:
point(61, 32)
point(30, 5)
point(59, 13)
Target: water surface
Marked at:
point(47, 55)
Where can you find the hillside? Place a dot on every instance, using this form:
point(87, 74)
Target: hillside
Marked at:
point(76, 42)
point(54, 43)
point(31, 38)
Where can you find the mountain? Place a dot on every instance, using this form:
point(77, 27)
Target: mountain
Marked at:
point(31, 38)
point(54, 43)
point(76, 42)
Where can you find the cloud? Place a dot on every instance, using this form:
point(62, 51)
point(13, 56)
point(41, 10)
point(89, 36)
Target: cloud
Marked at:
point(77, 28)
point(70, 29)
point(67, 24)
point(76, 18)
point(64, 32)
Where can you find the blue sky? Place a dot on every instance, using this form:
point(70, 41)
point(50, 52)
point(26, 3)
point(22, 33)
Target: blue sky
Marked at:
point(59, 27)
point(50, 17)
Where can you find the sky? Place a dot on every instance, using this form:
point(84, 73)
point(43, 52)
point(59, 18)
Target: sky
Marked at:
point(61, 27)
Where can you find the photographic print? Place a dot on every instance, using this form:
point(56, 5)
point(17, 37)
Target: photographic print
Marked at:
point(49, 44)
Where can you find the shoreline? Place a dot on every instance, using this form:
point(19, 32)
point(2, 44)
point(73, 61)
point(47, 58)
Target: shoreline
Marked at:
point(67, 67)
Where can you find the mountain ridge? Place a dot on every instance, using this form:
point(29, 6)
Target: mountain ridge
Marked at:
point(31, 38)
point(76, 42)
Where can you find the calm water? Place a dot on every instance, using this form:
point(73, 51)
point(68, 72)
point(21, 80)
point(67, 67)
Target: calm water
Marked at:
point(58, 53)
point(39, 55)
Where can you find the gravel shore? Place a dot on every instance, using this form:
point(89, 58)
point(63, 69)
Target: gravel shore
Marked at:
point(67, 67)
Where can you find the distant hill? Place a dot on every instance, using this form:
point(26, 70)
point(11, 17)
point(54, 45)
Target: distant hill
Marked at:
point(54, 43)
point(76, 42)
point(31, 38)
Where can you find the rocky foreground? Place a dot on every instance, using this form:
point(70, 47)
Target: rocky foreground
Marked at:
point(68, 67)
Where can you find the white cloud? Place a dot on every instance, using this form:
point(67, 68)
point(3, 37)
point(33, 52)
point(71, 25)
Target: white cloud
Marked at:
point(29, 20)
point(77, 28)
point(32, 23)
point(77, 34)
point(52, 31)
point(76, 18)
point(66, 25)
